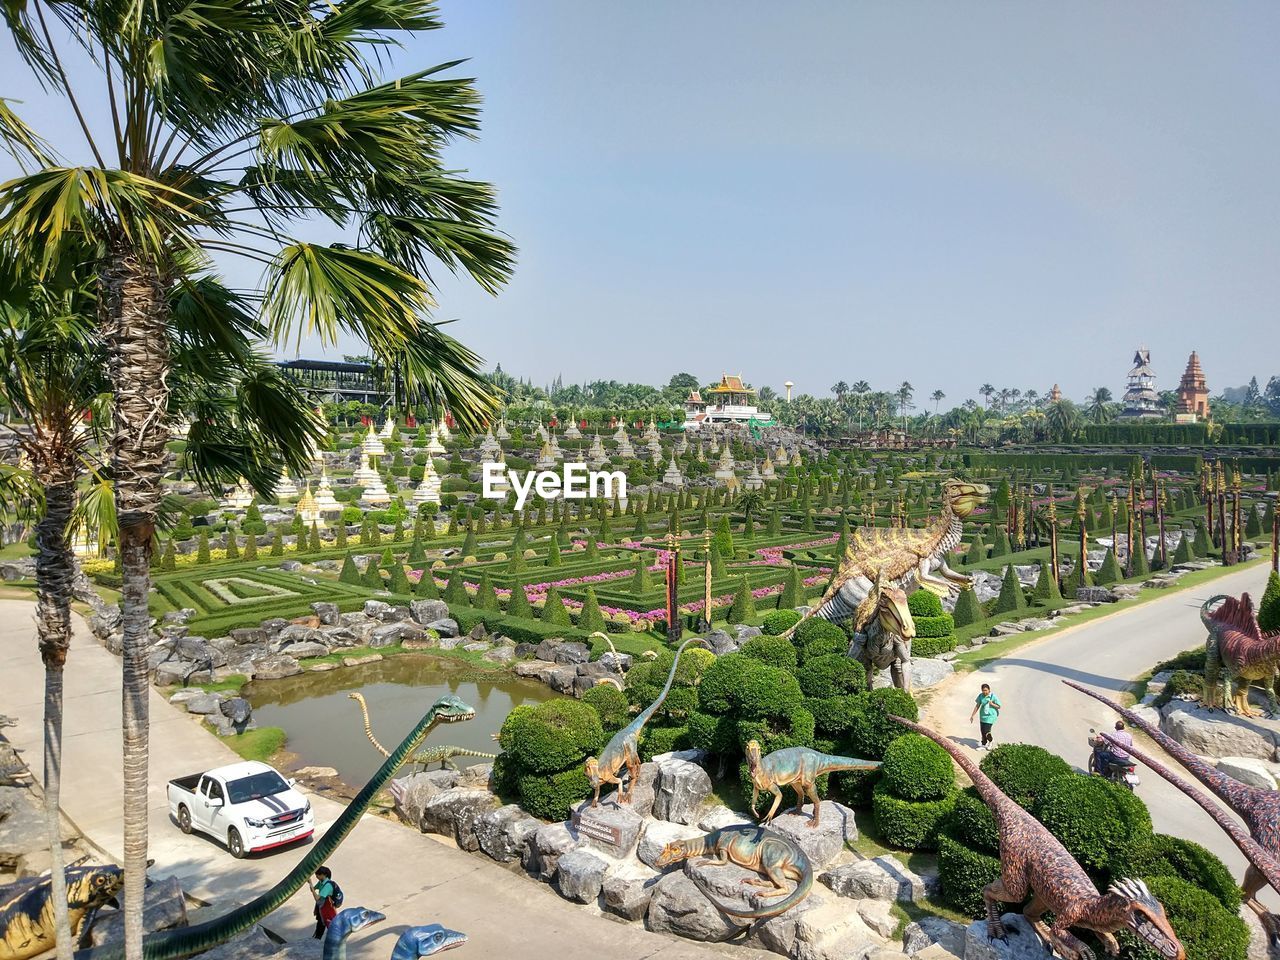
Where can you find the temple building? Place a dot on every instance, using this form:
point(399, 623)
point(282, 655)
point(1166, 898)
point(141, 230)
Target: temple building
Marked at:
point(1193, 395)
point(1055, 394)
point(1141, 402)
point(729, 401)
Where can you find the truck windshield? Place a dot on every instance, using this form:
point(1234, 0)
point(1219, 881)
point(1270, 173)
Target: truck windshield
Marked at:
point(259, 785)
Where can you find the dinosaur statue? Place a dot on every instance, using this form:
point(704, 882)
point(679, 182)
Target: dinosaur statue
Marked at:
point(428, 939)
point(904, 556)
point(624, 748)
point(1238, 652)
point(884, 639)
point(442, 755)
point(799, 766)
point(775, 857)
point(1259, 808)
point(170, 944)
point(26, 908)
point(347, 922)
point(1033, 860)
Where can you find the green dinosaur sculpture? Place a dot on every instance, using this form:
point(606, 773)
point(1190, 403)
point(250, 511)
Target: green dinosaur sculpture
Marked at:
point(624, 748)
point(442, 755)
point(1237, 652)
point(26, 908)
point(798, 766)
point(775, 857)
point(169, 944)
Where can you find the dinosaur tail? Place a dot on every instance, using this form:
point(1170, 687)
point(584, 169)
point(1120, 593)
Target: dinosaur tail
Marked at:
point(368, 727)
point(774, 909)
point(647, 713)
point(990, 793)
point(832, 763)
point(1206, 616)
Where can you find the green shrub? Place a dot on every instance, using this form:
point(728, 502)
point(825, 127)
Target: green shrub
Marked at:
point(590, 618)
point(793, 593)
point(660, 740)
point(1161, 855)
point(610, 703)
point(1182, 683)
point(202, 548)
point(1269, 608)
point(932, 646)
point(908, 824)
point(836, 716)
point(1110, 571)
point(831, 675)
point(1010, 599)
point(716, 734)
point(553, 610)
point(743, 608)
point(1092, 817)
point(924, 603)
point(874, 729)
point(505, 777)
point(553, 796)
point(931, 628)
point(779, 621)
point(774, 651)
point(1023, 771)
point(1184, 553)
point(723, 681)
point(767, 692)
point(967, 610)
point(518, 601)
point(1046, 588)
point(1207, 930)
point(916, 768)
point(552, 735)
point(972, 823)
point(962, 873)
point(820, 638)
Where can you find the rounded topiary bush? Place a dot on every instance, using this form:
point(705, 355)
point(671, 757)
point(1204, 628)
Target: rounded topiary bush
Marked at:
point(722, 682)
point(817, 638)
point(1206, 928)
point(831, 675)
point(610, 703)
point(659, 740)
point(908, 824)
point(779, 621)
point(767, 692)
point(1161, 855)
point(1023, 771)
point(924, 603)
point(551, 736)
point(934, 628)
point(1093, 818)
point(916, 768)
point(875, 728)
point(962, 873)
point(835, 716)
point(773, 651)
point(715, 733)
point(971, 822)
point(552, 796)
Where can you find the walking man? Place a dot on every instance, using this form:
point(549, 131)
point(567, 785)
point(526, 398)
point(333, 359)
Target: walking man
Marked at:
point(987, 709)
point(328, 897)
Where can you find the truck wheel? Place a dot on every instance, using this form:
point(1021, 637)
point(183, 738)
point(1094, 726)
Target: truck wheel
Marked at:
point(184, 819)
point(234, 844)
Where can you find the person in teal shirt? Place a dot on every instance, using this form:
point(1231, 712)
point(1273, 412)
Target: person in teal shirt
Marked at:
point(987, 709)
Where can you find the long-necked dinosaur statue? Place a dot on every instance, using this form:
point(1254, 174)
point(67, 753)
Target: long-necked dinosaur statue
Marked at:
point(1237, 653)
point(426, 940)
point(347, 922)
point(904, 556)
point(798, 766)
point(169, 944)
point(623, 749)
point(1034, 861)
point(1257, 807)
point(442, 755)
point(884, 639)
point(26, 908)
point(776, 858)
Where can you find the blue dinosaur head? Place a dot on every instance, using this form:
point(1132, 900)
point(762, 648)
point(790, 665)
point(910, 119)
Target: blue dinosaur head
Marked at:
point(451, 709)
point(428, 939)
point(350, 920)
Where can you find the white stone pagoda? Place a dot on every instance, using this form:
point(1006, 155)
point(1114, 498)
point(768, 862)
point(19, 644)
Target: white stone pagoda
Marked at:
point(547, 459)
point(625, 450)
point(673, 477)
point(443, 428)
point(388, 428)
point(365, 474)
point(754, 481)
point(308, 508)
point(767, 472)
point(571, 432)
point(239, 497)
point(434, 447)
point(596, 456)
point(725, 468)
point(554, 444)
point(502, 432)
point(286, 487)
point(428, 491)
point(489, 446)
point(326, 502)
point(372, 445)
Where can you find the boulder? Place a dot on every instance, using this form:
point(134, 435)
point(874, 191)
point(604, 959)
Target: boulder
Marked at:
point(326, 612)
point(645, 791)
point(410, 794)
point(682, 787)
point(427, 612)
point(678, 906)
point(580, 875)
point(290, 566)
point(501, 655)
point(275, 667)
point(720, 642)
point(561, 678)
point(164, 908)
point(929, 672)
point(1094, 595)
point(479, 631)
point(1214, 733)
point(297, 633)
point(454, 813)
point(573, 653)
point(833, 932)
point(505, 833)
point(743, 633)
point(273, 625)
point(306, 650)
point(1006, 628)
point(657, 834)
point(882, 878)
point(615, 663)
point(878, 916)
point(1022, 943)
point(597, 827)
point(628, 890)
point(546, 650)
point(928, 930)
point(237, 710)
point(361, 660)
point(550, 842)
point(1248, 770)
point(444, 627)
point(377, 609)
point(206, 704)
point(823, 843)
point(476, 646)
point(715, 817)
point(536, 669)
point(389, 634)
point(175, 672)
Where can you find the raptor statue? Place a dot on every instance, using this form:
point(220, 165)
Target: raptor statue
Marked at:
point(1258, 807)
point(798, 766)
point(170, 944)
point(885, 640)
point(623, 750)
point(905, 557)
point(26, 908)
point(442, 755)
point(1237, 653)
point(775, 857)
point(1034, 861)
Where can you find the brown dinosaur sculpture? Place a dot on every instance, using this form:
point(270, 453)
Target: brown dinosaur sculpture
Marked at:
point(798, 766)
point(1034, 861)
point(1257, 807)
point(1238, 652)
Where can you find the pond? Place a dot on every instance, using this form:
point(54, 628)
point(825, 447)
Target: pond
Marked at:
point(325, 728)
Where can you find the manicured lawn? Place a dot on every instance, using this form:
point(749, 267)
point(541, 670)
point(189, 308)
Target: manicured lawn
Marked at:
point(261, 744)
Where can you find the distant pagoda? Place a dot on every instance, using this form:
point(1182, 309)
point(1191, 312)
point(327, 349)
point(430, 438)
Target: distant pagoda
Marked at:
point(1141, 402)
point(1193, 395)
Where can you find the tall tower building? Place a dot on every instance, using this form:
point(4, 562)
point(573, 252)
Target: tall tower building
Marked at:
point(1193, 395)
point(1141, 402)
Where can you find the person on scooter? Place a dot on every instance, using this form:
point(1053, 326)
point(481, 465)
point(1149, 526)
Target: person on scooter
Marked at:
point(1114, 753)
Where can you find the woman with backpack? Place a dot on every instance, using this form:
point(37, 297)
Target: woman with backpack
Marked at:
point(328, 897)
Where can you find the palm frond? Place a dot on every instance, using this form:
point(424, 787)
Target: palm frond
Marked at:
point(23, 143)
point(442, 373)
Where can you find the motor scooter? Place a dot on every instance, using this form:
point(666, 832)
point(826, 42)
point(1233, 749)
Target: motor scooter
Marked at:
point(1124, 774)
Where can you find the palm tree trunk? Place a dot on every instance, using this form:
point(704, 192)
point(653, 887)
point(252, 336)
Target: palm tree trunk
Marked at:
point(55, 570)
point(137, 334)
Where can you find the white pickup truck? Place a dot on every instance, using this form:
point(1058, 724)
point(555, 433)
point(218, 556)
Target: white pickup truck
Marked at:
point(249, 806)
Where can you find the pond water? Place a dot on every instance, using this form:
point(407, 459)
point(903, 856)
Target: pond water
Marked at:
point(325, 728)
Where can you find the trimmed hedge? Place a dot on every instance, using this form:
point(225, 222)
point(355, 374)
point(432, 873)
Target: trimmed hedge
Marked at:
point(831, 675)
point(819, 638)
point(873, 730)
point(773, 651)
point(659, 740)
point(1093, 818)
point(550, 736)
point(553, 796)
point(836, 716)
point(1161, 855)
point(779, 621)
point(907, 824)
point(962, 873)
point(1023, 771)
point(916, 768)
point(932, 646)
point(610, 704)
point(971, 822)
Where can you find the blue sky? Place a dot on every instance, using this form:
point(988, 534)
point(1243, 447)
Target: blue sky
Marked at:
point(947, 193)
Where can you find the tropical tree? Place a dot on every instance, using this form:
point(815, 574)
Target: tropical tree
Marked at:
point(841, 390)
point(1062, 420)
point(1099, 407)
point(937, 397)
point(903, 395)
point(986, 391)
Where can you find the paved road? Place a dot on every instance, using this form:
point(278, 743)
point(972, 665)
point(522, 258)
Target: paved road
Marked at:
point(408, 876)
point(1106, 655)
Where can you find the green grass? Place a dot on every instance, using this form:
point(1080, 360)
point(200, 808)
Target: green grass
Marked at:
point(261, 744)
point(15, 551)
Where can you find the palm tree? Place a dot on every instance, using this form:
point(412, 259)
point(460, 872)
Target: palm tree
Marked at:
point(937, 397)
point(904, 399)
point(841, 390)
point(229, 128)
point(986, 391)
point(1062, 419)
point(1099, 411)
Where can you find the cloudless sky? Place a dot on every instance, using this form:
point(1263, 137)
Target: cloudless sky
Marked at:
point(946, 193)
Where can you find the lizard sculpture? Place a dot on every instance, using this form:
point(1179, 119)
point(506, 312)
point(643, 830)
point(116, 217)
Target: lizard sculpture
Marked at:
point(1033, 860)
point(170, 944)
point(442, 755)
point(428, 939)
point(1238, 652)
point(26, 908)
point(885, 639)
point(798, 766)
point(776, 858)
point(623, 750)
point(904, 556)
point(347, 922)
point(1259, 808)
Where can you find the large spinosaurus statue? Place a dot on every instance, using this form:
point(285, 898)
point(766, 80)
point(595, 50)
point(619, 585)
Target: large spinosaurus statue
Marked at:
point(1237, 653)
point(798, 766)
point(170, 944)
point(26, 908)
point(1033, 860)
point(905, 557)
point(1259, 808)
point(623, 749)
point(776, 858)
point(885, 639)
point(442, 755)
